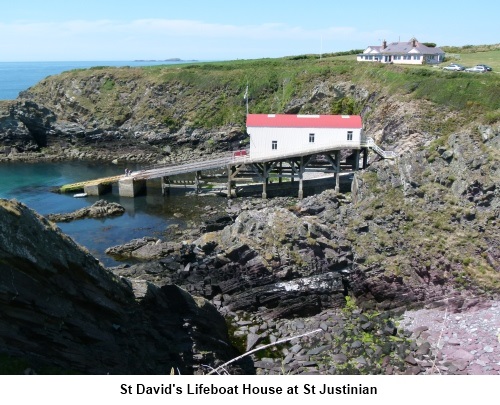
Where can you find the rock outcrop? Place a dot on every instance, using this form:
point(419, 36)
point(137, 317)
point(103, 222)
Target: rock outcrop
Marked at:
point(424, 227)
point(100, 209)
point(146, 248)
point(270, 260)
point(61, 310)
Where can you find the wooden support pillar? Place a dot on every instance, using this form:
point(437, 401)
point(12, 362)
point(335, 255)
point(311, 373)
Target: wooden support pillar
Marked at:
point(365, 158)
point(265, 178)
point(301, 178)
point(355, 166)
point(230, 170)
point(197, 181)
point(280, 173)
point(165, 185)
point(337, 170)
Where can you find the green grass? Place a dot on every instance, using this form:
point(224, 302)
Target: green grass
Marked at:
point(490, 58)
point(210, 95)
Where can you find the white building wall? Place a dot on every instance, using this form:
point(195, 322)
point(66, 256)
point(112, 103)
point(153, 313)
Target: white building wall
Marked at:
point(296, 140)
point(429, 59)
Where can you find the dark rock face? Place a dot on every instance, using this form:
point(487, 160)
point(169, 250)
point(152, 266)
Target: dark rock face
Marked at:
point(60, 308)
point(269, 261)
point(23, 127)
point(99, 209)
point(432, 221)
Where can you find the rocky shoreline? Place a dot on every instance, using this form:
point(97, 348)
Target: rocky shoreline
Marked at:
point(354, 341)
point(372, 269)
point(279, 268)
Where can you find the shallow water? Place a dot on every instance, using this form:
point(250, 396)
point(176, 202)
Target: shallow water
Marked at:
point(150, 215)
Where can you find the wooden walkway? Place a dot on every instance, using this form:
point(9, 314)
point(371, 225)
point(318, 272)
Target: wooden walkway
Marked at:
point(231, 159)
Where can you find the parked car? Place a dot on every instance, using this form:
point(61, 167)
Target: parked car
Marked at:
point(489, 69)
point(454, 66)
point(477, 69)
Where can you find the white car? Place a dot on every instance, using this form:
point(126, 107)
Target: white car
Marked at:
point(454, 66)
point(477, 69)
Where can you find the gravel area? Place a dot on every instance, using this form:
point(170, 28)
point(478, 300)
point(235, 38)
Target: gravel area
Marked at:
point(464, 342)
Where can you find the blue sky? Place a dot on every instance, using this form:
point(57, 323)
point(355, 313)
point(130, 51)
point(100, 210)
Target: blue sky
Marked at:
point(107, 30)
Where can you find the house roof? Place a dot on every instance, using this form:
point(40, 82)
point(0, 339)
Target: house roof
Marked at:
point(304, 121)
point(405, 47)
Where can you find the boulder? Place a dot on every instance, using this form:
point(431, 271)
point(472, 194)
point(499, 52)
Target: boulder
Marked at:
point(99, 209)
point(62, 310)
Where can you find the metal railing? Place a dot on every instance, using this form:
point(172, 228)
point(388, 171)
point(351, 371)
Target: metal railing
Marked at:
point(238, 157)
point(370, 143)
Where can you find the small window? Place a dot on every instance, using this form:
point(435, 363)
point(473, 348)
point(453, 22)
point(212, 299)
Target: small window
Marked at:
point(274, 145)
point(311, 138)
point(349, 135)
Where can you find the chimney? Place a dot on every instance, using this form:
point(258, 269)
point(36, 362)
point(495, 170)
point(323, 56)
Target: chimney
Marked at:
point(413, 42)
point(384, 44)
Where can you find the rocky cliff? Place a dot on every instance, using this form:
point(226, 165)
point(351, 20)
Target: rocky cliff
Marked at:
point(421, 230)
point(170, 114)
point(62, 311)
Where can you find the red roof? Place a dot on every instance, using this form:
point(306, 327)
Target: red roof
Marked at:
point(304, 121)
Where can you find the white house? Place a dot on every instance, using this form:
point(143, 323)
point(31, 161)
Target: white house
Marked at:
point(276, 135)
point(408, 53)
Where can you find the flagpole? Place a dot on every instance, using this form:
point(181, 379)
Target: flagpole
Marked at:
point(246, 97)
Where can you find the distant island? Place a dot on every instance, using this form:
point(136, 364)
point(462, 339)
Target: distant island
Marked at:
point(164, 60)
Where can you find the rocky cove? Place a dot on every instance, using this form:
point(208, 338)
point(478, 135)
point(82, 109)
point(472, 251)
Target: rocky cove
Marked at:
point(417, 234)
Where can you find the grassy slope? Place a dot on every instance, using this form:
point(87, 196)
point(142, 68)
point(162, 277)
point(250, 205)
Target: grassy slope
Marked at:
point(210, 95)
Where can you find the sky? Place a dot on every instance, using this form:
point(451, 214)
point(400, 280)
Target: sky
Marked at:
point(124, 30)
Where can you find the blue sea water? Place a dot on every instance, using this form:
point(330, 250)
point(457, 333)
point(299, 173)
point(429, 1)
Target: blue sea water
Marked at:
point(33, 183)
point(18, 76)
point(150, 215)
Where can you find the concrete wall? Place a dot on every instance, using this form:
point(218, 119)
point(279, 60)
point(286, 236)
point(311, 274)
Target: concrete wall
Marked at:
point(97, 189)
point(129, 188)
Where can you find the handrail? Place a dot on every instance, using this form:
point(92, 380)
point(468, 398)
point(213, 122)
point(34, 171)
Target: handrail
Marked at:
point(236, 157)
point(370, 143)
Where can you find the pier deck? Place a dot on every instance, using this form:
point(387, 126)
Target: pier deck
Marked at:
point(234, 162)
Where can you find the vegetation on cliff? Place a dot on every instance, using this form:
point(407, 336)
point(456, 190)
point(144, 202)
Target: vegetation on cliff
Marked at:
point(420, 230)
point(210, 95)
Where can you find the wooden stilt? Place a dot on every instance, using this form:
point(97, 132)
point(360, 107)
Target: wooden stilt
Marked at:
point(265, 177)
point(301, 178)
point(197, 182)
point(229, 180)
point(355, 166)
point(165, 185)
point(337, 170)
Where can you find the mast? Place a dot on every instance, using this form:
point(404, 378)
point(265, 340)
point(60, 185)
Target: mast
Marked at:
point(246, 97)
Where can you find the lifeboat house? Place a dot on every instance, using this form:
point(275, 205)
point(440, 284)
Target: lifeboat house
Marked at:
point(288, 146)
point(283, 148)
point(280, 135)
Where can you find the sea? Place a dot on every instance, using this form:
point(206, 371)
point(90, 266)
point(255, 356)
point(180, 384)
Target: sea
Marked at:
point(34, 184)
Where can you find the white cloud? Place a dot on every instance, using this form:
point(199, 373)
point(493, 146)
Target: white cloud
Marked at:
point(159, 38)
